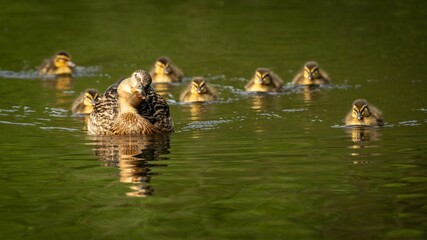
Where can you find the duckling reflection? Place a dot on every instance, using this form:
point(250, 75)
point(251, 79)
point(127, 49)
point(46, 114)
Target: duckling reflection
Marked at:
point(262, 102)
point(363, 134)
point(135, 157)
point(162, 89)
point(362, 138)
point(60, 82)
point(198, 111)
point(310, 92)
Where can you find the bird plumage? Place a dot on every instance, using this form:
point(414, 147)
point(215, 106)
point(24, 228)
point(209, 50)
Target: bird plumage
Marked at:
point(264, 80)
point(198, 91)
point(84, 102)
point(311, 74)
point(130, 107)
point(59, 64)
point(164, 71)
point(364, 114)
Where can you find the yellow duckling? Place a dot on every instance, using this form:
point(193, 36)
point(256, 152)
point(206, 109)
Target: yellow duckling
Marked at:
point(85, 102)
point(264, 81)
point(198, 91)
point(364, 114)
point(130, 107)
point(311, 74)
point(164, 71)
point(60, 64)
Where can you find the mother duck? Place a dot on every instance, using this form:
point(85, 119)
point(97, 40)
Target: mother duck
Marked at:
point(130, 107)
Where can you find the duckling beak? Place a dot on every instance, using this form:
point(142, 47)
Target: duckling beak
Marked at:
point(199, 90)
point(310, 76)
point(92, 102)
point(71, 64)
point(258, 80)
point(359, 116)
point(167, 70)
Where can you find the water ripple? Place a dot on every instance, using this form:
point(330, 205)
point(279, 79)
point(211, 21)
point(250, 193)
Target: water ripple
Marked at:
point(410, 123)
point(89, 71)
point(204, 125)
point(60, 129)
point(18, 123)
point(295, 110)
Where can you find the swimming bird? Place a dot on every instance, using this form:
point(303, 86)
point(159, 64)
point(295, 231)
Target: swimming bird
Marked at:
point(59, 64)
point(198, 91)
point(164, 71)
point(364, 114)
point(311, 74)
point(85, 102)
point(264, 80)
point(130, 107)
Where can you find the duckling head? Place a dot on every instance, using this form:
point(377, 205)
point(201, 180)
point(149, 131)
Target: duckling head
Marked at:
point(63, 59)
point(311, 70)
point(90, 96)
point(162, 66)
point(360, 109)
point(198, 86)
point(133, 89)
point(262, 76)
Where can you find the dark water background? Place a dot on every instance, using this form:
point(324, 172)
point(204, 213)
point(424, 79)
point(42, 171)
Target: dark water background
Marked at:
point(244, 167)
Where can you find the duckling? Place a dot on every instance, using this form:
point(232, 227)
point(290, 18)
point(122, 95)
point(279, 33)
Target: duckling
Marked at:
point(60, 64)
point(130, 107)
point(85, 102)
point(198, 91)
point(264, 81)
point(364, 114)
point(311, 74)
point(164, 71)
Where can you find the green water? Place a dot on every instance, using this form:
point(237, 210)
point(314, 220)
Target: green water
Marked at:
point(244, 167)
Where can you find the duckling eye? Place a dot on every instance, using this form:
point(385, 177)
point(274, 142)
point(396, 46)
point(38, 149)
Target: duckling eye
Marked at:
point(365, 112)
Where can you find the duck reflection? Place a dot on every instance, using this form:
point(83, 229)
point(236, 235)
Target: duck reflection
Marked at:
point(362, 138)
point(135, 156)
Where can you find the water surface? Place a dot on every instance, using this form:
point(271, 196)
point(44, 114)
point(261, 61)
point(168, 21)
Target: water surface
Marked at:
point(247, 166)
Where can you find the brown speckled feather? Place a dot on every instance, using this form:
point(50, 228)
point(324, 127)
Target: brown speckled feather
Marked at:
point(153, 115)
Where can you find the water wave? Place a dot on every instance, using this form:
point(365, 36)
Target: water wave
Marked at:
point(89, 71)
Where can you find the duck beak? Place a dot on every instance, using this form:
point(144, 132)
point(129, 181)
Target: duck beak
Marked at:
point(310, 76)
point(139, 92)
point(258, 80)
point(359, 116)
